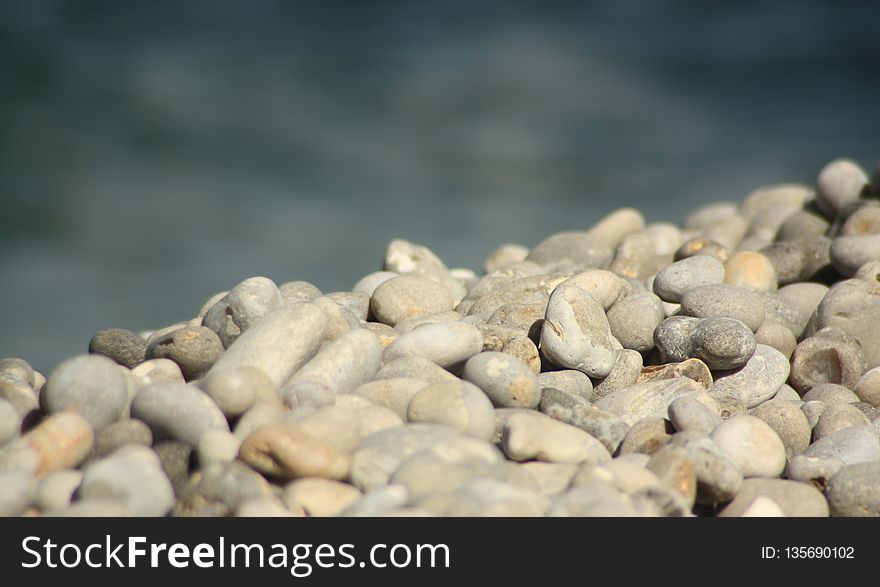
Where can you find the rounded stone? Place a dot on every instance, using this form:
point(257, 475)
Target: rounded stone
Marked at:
point(217, 446)
point(409, 296)
point(855, 491)
point(574, 410)
point(242, 307)
point(460, 405)
point(56, 490)
point(506, 380)
point(700, 245)
point(837, 417)
point(356, 303)
point(646, 436)
point(194, 348)
point(777, 336)
point(626, 371)
point(722, 343)
point(284, 452)
point(319, 497)
point(576, 333)
point(840, 182)
point(529, 435)
point(633, 320)
point(236, 390)
point(91, 385)
point(789, 423)
point(648, 399)
point(132, 475)
point(672, 282)
point(829, 356)
point(689, 413)
point(830, 394)
point(157, 370)
point(753, 445)
point(177, 411)
point(19, 488)
point(750, 270)
point(614, 227)
point(294, 292)
point(10, 422)
point(448, 344)
point(412, 367)
point(119, 434)
point(759, 380)
point(724, 301)
point(795, 499)
point(505, 255)
point(571, 249)
point(568, 380)
point(123, 346)
point(394, 394)
point(848, 253)
point(674, 467)
point(826, 456)
point(718, 477)
point(867, 388)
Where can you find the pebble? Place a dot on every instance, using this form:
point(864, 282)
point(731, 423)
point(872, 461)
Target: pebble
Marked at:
point(702, 246)
point(217, 446)
point(595, 500)
point(793, 498)
point(854, 491)
point(756, 382)
point(404, 257)
point(605, 287)
point(356, 303)
point(294, 292)
point(119, 434)
point(635, 257)
point(241, 308)
point(568, 380)
point(724, 301)
point(448, 344)
point(646, 437)
point(194, 348)
point(718, 476)
point(175, 458)
point(571, 250)
point(777, 336)
point(56, 490)
point(837, 417)
point(614, 227)
point(829, 356)
point(279, 344)
point(688, 413)
point(706, 215)
point(728, 232)
point(830, 394)
point(867, 389)
point(672, 282)
point(345, 425)
point(813, 410)
point(534, 436)
point(523, 349)
point(282, 452)
point(263, 507)
point(368, 284)
point(752, 444)
point(123, 346)
point(489, 497)
point(10, 422)
point(848, 253)
point(672, 338)
point(412, 323)
point(722, 343)
point(625, 372)
point(673, 467)
point(378, 502)
point(412, 367)
point(633, 320)
point(91, 385)
point(691, 368)
point(426, 474)
point(133, 476)
point(177, 411)
point(840, 182)
point(803, 224)
point(551, 478)
point(317, 497)
point(19, 488)
point(218, 490)
point(853, 307)
point(789, 423)
point(60, 441)
point(460, 405)
point(507, 381)
point(394, 394)
point(409, 296)
point(338, 320)
point(576, 333)
point(236, 390)
point(572, 409)
point(504, 256)
point(623, 474)
point(259, 415)
point(157, 370)
point(646, 400)
point(763, 507)
point(822, 459)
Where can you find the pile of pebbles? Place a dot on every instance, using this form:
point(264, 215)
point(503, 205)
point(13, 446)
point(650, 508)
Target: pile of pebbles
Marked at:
point(726, 367)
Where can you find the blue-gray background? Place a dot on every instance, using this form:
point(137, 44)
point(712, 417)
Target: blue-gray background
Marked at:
point(155, 152)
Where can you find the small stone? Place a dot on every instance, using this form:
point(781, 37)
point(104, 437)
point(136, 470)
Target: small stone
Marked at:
point(678, 278)
point(217, 446)
point(750, 270)
point(674, 467)
point(825, 457)
point(576, 333)
point(753, 445)
point(505, 255)
point(91, 385)
point(120, 434)
point(488, 497)
point(383, 332)
point(728, 232)
point(10, 421)
point(236, 390)
point(259, 415)
point(867, 388)
point(534, 436)
point(673, 338)
point(123, 346)
point(507, 381)
point(294, 292)
point(521, 317)
point(338, 320)
point(568, 380)
point(722, 343)
point(394, 394)
point(19, 488)
point(263, 507)
point(175, 457)
point(700, 245)
point(595, 500)
point(571, 250)
point(132, 475)
point(409, 296)
point(551, 478)
point(194, 348)
point(218, 490)
point(286, 453)
point(576, 411)
point(460, 405)
point(177, 411)
point(158, 370)
point(852, 306)
point(635, 257)
point(55, 491)
point(319, 497)
point(763, 507)
point(523, 349)
point(812, 410)
point(412, 367)
point(830, 394)
point(368, 284)
point(793, 498)
point(841, 182)
point(724, 301)
point(378, 502)
point(777, 336)
point(718, 477)
point(448, 344)
point(412, 323)
point(789, 423)
point(342, 426)
point(61, 441)
point(803, 224)
point(848, 253)
point(605, 287)
point(241, 308)
point(625, 372)
point(646, 436)
point(829, 356)
point(633, 319)
point(357, 303)
point(837, 417)
point(614, 227)
point(404, 257)
point(688, 413)
point(691, 368)
point(625, 475)
point(759, 380)
point(646, 400)
point(855, 491)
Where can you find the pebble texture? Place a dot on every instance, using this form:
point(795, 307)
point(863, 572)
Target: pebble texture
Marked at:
point(576, 333)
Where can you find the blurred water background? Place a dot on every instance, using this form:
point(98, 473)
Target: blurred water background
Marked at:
point(153, 153)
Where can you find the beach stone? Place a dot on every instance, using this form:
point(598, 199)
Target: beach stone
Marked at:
point(576, 411)
point(768, 197)
point(645, 436)
point(412, 323)
point(218, 490)
point(426, 474)
point(487, 498)
point(763, 507)
point(523, 349)
point(672, 338)
point(383, 332)
point(752, 444)
point(718, 476)
point(854, 491)
point(158, 370)
point(724, 301)
point(55, 491)
point(633, 320)
point(520, 317)
point(342, 365)
point(795, 499)
point(338, 319)
point(756, 382)
point(194, 348)
point(551, 478)
point(19, 370)
point(10, 421)
point(355, 303)
point(867, 389)
point(91, 385)
point(534, 436)
point(672, 282)
point(60, 441)
point(625, 372)
point(394, 394)
point(646, 400)
point(409, 296)
point(460, 405)
point(132, 475)
point(368, 284)
point(283, 452)
point(19, 394)
point(812, 410)
point(706, 215)
point(789, 423)
point(691, 368)
point(447, 344)
point(701, 245)
point(259, 415)
point(787, 392)
point(674, 468)
point(506, 380)
point(294, 292)
point(605, 287)
point(571, 249)
point(688, 413)
point(108, 440)
point(803, 224)
point(237, 390)
point(505, 255)
point(722, 343)
point(217, 446)
point(177, 411)
point(849, 253)
point(319, 497)
point(840, 182)
point(342, 426)
point(624, 475)
point(279, 344)
point(594, 500)
point(830, 394)
point(837, 417)
point(404, 257)
point(635, 257)
point(728, 232)
point(413, 367)
point(864, 220)
point(852, 306)
point(568, 380)
point(777, 336)
point(378, 502)
point(125, 347)
point(800, 260)
point(576, 333)
point(829, 356)
point(19, 488)
point(826, 456)
point(175, 457)
point(614, 227)
point(241, 308)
